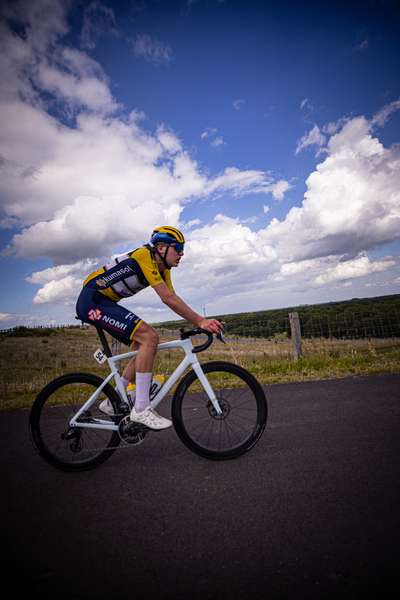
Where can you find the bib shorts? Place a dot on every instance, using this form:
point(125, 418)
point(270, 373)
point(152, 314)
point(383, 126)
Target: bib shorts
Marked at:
point(95, 308)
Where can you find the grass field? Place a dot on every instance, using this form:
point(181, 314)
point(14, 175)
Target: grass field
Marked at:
point(29, 363)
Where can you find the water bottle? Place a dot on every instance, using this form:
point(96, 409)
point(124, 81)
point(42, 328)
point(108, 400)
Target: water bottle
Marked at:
point(131, 393)
point(155, 385)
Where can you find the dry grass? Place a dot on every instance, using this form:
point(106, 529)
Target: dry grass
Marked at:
point(27, 364)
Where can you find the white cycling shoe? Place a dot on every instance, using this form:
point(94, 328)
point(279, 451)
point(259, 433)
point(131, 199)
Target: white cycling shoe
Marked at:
point(105, 408)
point(150, 418)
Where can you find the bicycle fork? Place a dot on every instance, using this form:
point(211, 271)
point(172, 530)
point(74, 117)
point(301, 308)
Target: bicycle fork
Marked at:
point(207, 387)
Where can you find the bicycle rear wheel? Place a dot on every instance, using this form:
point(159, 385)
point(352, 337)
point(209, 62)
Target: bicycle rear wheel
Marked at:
point(243, 418)
point(72, 448)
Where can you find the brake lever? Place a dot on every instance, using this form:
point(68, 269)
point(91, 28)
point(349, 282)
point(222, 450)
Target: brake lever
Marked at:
point(220, 337)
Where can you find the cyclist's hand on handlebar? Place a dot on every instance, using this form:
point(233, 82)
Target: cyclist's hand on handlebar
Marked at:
point(212, 325)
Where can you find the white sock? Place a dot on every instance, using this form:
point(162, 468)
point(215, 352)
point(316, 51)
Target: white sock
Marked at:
point(142, 391)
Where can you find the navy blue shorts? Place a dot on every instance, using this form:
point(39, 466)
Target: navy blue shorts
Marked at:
point(95, 308)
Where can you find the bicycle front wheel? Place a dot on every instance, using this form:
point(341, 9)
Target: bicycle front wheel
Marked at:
point(243, 418)
point(72, 448)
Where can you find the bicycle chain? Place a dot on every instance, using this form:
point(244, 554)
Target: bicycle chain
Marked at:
point(119, 447)
point(126, 446)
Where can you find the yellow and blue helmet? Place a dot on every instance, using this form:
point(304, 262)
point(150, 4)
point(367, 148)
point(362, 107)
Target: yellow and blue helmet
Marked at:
point(166, 235)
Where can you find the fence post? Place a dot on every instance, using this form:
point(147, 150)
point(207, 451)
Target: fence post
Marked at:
point(296, 335)
point(116, 349)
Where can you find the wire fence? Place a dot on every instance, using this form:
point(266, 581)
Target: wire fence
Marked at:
point(376, 324)
point(366, 325)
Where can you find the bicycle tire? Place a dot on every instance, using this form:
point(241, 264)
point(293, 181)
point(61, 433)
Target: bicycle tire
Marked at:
point(50, 416)
point(244, 406)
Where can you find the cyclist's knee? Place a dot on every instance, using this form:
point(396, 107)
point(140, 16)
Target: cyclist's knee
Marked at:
point(146, 335)
point(153, 337)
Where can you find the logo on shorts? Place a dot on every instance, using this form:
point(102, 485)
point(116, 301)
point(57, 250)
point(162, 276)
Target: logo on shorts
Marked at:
point(94, 314)
point(114, 324)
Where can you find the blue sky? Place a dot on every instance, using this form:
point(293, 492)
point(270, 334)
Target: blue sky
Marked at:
point(268, 132)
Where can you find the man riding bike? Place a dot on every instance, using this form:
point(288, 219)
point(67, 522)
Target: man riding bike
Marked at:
point(126, 276)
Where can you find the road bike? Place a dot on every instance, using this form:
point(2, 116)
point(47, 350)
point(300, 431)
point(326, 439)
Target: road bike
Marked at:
point(219, 409)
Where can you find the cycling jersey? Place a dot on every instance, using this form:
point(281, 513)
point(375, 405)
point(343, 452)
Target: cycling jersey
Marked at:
point(127, 275)
point(122, 277)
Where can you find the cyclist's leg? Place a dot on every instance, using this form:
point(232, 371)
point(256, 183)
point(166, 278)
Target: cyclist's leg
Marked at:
point(96, 309)
point(145, 340)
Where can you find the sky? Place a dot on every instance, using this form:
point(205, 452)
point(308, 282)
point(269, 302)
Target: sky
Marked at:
point(267, 132)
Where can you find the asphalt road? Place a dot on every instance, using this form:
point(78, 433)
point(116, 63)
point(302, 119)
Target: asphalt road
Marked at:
point(311, 512)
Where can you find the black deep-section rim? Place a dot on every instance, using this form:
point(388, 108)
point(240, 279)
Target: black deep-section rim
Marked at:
point(244, 416)
point(48, 423)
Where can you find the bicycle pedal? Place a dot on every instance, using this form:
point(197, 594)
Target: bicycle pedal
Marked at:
point(141, 427)
point(135, 427)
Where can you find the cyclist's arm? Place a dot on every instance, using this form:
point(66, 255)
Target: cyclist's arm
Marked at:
point(175, 303)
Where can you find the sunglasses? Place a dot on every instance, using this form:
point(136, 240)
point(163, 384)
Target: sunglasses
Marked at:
point(178, 247)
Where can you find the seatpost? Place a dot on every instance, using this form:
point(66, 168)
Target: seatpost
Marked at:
point(104, 342)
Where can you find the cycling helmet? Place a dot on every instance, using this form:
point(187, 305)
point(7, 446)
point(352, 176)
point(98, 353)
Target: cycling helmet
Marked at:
point(166, 235)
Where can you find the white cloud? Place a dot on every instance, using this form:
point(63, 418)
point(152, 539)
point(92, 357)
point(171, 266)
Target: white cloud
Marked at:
point(352, 202)
point(152, 50)
point(62, 284)
point(362, 42)
point(11, 320)
point(101, 158)
point(217, 142)
point(168, 140)
point(244, 182)
point(210, 131)
point(352, 269)
point(44, 21)
point(90, 227)
point(98, 20)
point(44, 73)
point(237, 104)
point(59, 292)
point(289, 270)
point(58, 273)
point(381, 117)
point(280, 188)
point(312, 138)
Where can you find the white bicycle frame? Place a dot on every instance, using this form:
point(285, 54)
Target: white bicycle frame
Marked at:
point(190, 358)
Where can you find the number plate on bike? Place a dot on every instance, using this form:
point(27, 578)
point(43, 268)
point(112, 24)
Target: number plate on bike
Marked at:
point(100, 356)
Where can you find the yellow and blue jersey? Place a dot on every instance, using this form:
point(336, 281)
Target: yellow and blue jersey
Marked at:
point(127, 275)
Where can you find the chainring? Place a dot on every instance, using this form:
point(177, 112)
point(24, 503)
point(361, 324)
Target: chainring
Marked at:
point(132, 433)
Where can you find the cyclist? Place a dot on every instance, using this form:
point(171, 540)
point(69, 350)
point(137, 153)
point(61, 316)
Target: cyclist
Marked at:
point(125, 276)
